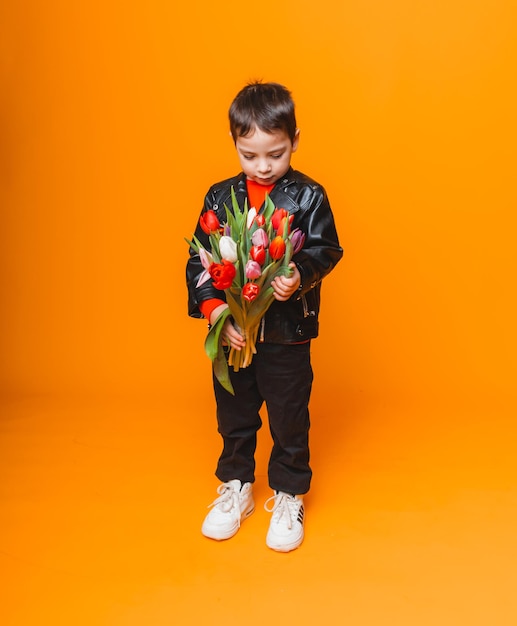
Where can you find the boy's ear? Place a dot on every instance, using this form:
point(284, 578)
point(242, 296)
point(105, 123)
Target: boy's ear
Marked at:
point(296, 139)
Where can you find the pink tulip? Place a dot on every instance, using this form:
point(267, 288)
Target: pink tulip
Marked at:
point(260, 238)
point(206, 258)
point(252, 270)
point(206, 261)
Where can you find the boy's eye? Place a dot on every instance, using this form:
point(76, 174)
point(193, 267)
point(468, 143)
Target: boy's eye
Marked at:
point(248, 157)
point(276, 156)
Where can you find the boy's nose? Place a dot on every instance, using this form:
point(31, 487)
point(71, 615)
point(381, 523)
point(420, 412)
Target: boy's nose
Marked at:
point(264, 166)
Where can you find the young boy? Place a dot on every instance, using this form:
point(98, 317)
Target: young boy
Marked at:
point(263, 127)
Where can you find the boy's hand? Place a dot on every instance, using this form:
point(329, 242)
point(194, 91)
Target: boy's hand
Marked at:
point(285, 286)
point(230, 334)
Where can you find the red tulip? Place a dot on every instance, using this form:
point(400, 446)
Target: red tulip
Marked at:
point(281, 227)
point(258, 254)
point(277, 248)
point(209, 222)
point(222, 274)
point(250, 291)
point(278, 216)
point(260, 220)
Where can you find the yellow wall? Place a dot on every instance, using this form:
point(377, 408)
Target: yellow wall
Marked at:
point(114, 125)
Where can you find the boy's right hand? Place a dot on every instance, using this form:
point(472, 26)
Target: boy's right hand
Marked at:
point(230, 334)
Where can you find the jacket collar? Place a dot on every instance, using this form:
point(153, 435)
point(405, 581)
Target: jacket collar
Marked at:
point(278, 195)
point(287, 179)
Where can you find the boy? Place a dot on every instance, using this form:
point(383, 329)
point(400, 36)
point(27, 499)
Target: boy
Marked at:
point(263, 128)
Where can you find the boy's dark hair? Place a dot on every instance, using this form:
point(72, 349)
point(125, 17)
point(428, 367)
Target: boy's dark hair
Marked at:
point(267, 106)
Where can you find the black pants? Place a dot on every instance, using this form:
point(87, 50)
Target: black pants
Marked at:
point(281, 376)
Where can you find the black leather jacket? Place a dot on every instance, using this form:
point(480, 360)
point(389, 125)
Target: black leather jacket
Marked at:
point(295, 320)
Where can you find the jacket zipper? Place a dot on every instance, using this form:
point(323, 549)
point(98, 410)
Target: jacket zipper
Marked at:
point(305, 307)
point(306, 312)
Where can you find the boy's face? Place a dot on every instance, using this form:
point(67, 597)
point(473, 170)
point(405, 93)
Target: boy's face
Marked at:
point(265, 157)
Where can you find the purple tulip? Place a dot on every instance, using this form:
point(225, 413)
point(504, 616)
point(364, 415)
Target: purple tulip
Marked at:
point(297, 239)
point(260, 238)
point(252, 270)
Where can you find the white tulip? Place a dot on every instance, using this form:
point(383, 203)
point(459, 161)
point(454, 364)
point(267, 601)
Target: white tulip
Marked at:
point(252, 214)
point(228, 248)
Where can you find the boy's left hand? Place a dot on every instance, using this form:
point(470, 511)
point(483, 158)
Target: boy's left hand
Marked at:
point(285, 286)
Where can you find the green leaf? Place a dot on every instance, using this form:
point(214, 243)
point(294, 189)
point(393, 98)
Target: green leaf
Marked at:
point(235, 204)
point(215, 351)
point(214, 246)
point(230, 220)
point(191, 244)
point(269, 208)
point(221, 371)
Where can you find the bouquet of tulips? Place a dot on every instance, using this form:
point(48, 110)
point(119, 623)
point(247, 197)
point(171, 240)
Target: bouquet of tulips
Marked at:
point(246, 253)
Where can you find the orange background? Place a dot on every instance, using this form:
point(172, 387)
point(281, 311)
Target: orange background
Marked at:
point(114, 124)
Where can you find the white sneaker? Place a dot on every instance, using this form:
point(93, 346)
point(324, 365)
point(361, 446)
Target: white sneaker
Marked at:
point(234, 504)
point(286, 527)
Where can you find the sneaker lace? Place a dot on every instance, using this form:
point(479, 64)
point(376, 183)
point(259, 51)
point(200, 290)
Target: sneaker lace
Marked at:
point(284, 506)
point(227, 500)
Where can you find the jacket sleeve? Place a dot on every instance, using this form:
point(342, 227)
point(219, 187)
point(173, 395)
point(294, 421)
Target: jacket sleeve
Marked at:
point(194, 269)
point(321, 251)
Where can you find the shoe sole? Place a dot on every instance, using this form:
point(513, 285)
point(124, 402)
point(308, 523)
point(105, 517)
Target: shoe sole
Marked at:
point(286, 547)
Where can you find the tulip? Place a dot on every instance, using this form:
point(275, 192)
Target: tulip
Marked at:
point(282, 226)
point(209, 222)
point(277, 248)
point(206, 258)
point(252, 270)
point(250, 291)
point(206, 261)
point(222, 274)
point(258, 254)
point(297, 239)
point(228, 248)
point(203, 277)
point(260, 220)
point(260, 238)
point(252, 214)
point(277, 217)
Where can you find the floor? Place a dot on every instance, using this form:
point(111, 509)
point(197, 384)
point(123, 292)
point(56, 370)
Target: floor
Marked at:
point(411, 519)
